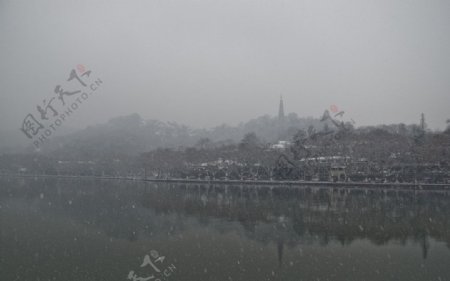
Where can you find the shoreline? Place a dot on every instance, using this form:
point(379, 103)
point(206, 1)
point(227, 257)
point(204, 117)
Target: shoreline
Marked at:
point(409, 186)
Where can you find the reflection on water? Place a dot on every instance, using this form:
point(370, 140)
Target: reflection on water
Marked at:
point(55, 229)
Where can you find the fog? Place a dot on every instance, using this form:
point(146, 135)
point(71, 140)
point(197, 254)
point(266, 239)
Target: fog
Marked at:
point(212, 139)
point(204, 63)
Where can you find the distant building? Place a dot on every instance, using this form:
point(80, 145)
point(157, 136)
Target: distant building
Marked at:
point(281, 145)
point(337, 173)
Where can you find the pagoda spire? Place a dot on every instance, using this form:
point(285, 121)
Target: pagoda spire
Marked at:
point(281, 109)
point(281, 120)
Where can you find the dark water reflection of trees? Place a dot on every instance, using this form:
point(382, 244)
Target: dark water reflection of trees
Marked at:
point(283, 215)
point(328, 214)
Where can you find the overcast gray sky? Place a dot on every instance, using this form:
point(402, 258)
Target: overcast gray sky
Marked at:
point(204, 63)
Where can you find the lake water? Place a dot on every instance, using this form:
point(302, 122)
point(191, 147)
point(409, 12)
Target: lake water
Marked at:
point(86, 229)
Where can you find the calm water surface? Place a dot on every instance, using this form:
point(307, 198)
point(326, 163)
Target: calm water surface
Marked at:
point(75, 229)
